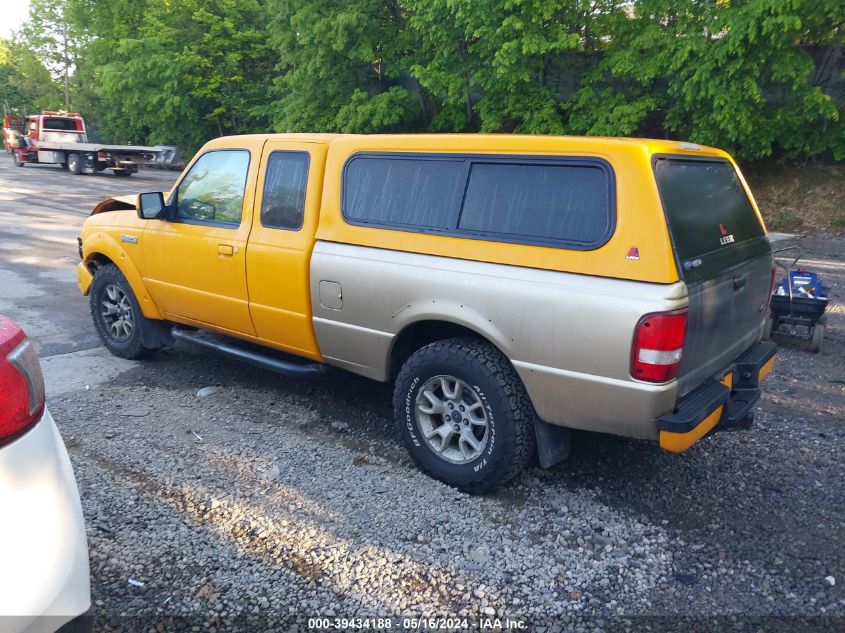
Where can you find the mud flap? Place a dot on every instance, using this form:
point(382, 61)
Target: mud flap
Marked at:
point(156, 334)
point(554, 443)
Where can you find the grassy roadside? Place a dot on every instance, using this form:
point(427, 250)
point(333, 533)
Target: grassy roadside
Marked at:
point(807, 198)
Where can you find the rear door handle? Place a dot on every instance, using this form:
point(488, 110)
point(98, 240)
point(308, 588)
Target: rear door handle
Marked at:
point(225, 249)
point(739, 283)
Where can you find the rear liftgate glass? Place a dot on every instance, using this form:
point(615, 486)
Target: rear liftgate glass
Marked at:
point(723, 256)
point(711, 219)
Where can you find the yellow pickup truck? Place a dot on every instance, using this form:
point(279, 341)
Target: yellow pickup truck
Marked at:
point(510, 287)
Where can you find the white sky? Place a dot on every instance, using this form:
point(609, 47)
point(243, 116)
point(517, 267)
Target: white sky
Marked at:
point(13, 13)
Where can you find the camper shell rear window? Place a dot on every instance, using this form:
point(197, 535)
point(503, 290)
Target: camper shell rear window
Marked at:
point(711, 219)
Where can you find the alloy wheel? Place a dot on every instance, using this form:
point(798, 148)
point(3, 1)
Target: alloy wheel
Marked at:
point(453, 419)
point(117, 313)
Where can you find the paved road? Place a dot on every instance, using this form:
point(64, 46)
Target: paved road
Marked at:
point(42, 208)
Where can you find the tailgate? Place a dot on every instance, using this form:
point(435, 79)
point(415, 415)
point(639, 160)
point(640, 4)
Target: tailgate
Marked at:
point(723, 256)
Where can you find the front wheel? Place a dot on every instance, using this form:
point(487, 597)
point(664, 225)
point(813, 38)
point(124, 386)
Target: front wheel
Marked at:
point(17, 158)
point(116, 314)
point(464, 414)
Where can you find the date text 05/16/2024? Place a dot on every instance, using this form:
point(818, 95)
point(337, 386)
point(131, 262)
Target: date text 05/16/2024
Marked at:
point(413, 624)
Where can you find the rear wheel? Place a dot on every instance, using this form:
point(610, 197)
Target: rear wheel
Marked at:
point(116, 314)
point(464, 414)
point(125, 173)
point(75, 164)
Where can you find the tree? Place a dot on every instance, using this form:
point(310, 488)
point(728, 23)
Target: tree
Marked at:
point(25, 83)
point(52, 35)
point(176, 72)
point(732, 74)
point(758, 77)
point(496, 66)
point(341, 66)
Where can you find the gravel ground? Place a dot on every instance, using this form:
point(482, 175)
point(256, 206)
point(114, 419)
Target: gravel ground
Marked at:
point(268, 502)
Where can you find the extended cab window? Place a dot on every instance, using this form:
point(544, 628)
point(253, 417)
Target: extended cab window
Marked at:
point(566, 202)
point(710, 217)
point(283, 200)
point(213, 191)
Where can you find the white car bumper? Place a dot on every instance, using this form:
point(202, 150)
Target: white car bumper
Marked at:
point(44, 576)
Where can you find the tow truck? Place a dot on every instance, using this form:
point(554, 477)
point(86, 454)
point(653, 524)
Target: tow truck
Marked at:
point(61, 138)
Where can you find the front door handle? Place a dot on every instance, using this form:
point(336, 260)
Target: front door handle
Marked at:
point(225, 249)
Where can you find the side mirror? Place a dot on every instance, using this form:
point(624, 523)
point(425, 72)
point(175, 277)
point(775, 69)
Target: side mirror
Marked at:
point(150, 205)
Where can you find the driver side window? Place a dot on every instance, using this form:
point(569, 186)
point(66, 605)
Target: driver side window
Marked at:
point(213, 191)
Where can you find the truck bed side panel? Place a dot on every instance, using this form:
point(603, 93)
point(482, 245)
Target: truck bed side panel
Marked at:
point(568, 336)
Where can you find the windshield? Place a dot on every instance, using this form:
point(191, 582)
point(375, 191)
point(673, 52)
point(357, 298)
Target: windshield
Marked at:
point(711, 219)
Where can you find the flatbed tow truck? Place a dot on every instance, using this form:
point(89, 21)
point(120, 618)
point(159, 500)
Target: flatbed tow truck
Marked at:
point(61, 138)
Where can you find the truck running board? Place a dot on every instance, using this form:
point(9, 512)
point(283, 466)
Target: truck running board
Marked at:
point(267, 360)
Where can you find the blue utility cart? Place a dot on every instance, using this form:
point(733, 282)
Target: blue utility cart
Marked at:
point(798, 302)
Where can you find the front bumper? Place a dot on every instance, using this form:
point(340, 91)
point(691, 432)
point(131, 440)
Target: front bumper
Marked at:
point(83, 278)
point(44, 577)
point(718, 405)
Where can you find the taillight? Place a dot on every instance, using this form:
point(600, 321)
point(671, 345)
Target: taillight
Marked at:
point(21, 383)
point(658, 346)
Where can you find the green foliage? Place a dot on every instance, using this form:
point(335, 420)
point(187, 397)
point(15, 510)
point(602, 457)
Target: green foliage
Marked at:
point(393, 109)
point(731, 74)
point(340, 65)
point(757, 77)
point(25, 83)
point(56, 40)
point(492, 64)
point(175, 72)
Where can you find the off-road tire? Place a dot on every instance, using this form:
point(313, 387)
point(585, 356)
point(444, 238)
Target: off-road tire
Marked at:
point(75, 164)
point(132, 348)
point(510, 446)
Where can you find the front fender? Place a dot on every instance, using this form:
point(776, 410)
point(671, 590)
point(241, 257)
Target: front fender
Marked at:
point(98, 244)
